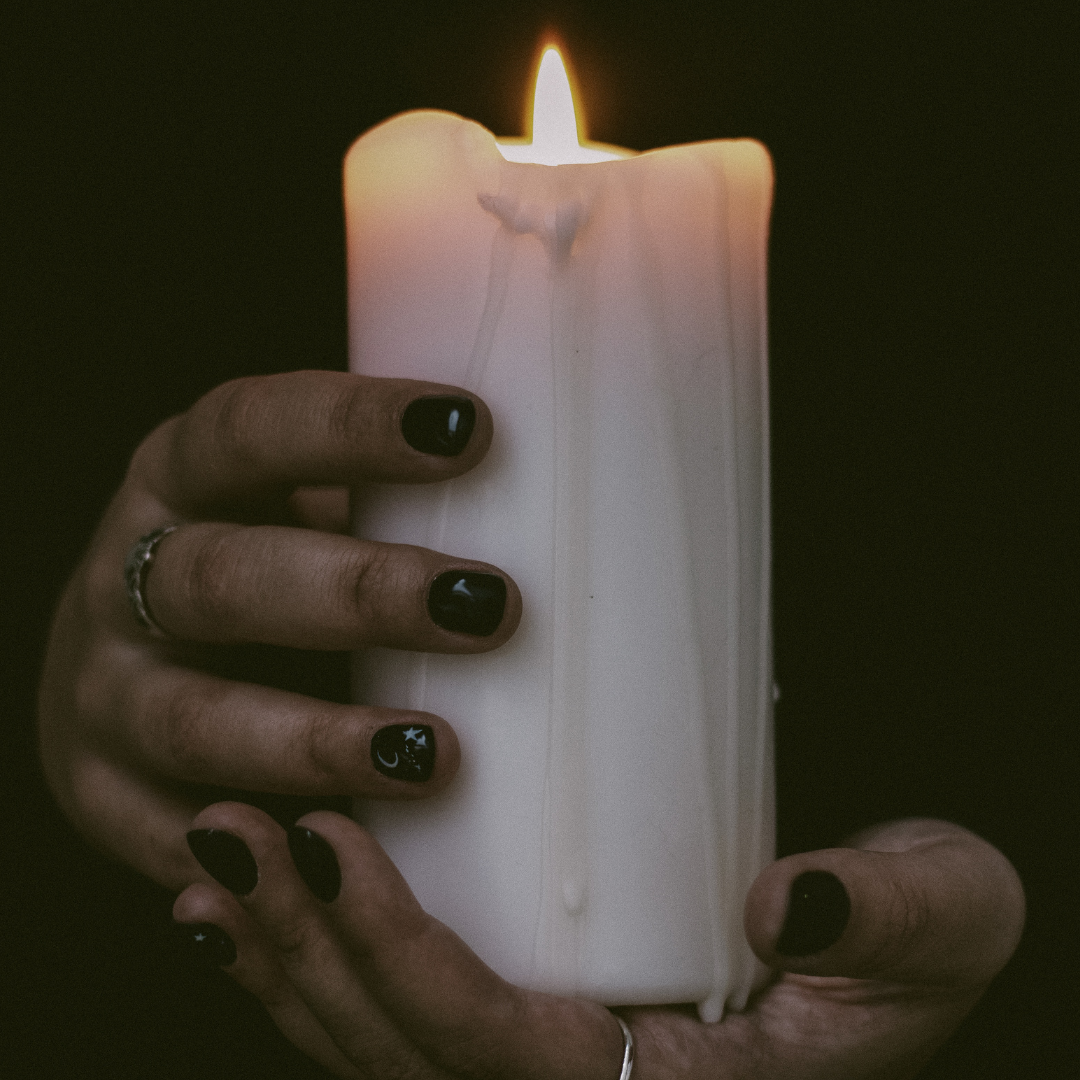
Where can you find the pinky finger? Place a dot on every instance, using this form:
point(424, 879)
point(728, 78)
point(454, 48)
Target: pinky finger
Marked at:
point(257, 970)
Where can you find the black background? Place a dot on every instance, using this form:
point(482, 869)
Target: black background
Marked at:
point(171, 219)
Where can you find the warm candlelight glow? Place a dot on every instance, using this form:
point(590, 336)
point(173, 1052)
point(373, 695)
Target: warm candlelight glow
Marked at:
point(617, 798)
point(555, 124)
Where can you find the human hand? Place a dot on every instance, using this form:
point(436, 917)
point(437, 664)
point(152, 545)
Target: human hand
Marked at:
point(137, 733)
point(358, 976)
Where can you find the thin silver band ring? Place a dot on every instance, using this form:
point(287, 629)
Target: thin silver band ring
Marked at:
point(628, 1050)
point(136, 567)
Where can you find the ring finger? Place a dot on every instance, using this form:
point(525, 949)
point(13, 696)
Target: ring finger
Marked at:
point(218, 582)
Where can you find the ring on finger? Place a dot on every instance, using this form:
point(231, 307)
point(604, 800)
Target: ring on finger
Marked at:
point(628, 1049)
point(136, 567)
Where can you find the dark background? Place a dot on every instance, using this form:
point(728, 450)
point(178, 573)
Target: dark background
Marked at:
point(171, 219)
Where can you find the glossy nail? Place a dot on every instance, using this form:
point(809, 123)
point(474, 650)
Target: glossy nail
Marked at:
point(404, 752)
point(439, 425)
point(818, 911)
point(207, 944)
point(315, 862)
point(467, 602)
point(225, 858)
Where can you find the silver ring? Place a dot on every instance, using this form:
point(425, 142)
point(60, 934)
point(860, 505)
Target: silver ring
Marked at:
point(628, 1049)
point(136, 566)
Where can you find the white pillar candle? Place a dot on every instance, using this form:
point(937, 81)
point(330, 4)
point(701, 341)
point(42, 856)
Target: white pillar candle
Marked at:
point(615, 795)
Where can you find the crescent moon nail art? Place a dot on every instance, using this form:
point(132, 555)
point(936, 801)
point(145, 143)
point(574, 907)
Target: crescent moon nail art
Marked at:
point(404, 752)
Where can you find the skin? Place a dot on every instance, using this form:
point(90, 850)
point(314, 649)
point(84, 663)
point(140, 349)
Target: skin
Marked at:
point(137, 739)
point(133, 734)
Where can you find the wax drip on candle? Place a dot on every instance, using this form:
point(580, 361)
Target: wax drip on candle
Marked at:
point(556, 226)
point(573, 892)
point(556, 131)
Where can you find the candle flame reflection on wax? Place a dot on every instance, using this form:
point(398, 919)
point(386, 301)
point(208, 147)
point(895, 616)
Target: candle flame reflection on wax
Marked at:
point(555, 138)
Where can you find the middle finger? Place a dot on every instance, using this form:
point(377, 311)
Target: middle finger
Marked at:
point(218, 582)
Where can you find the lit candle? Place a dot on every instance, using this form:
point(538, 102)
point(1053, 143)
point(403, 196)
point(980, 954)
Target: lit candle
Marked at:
point(615, 795)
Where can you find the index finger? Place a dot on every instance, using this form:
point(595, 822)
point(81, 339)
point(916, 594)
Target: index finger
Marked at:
point(256, 439)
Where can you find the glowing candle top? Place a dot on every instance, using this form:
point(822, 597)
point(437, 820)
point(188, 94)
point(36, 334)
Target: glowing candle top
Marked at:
point(557, 130)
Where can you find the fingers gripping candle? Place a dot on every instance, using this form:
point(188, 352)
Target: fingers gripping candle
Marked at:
point(615, 796)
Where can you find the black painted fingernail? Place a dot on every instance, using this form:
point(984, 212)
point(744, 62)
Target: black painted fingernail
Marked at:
point(207, 944)
point(818, 911)
point(439, 425)
point(467, 602)
point(225, 858)
point(404, 752)
point(315, 862)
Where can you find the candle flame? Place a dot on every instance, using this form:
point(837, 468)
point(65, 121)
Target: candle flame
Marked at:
point(556, 129)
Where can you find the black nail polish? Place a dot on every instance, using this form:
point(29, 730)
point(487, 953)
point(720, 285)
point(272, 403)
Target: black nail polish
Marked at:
point(404, 752)
point(225, 858)
point(439, 425)
point(818, 911)
point(467, 602)
point(208, 945)
point(315, 862)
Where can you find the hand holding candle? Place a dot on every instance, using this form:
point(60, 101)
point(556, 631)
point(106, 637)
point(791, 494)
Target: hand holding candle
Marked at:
point(141, 729)
point(327, 934)
point(876, 968)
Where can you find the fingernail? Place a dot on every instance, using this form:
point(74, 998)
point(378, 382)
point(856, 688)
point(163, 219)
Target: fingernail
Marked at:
point(466, 602)
point(818, 910)
point(405, 753)
point(439, 425)
point(208, 944)
point(225, 858)
point(315, 862)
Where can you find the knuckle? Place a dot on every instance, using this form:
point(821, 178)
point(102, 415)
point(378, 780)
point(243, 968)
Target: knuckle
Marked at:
point(904, 927)
point(914, 907)
point(184, 735)
point(322, 739)
point(349, 412)
point(297, 937)
point(222, 427)
point(150, 454)
point(365, 578)
point(180, 457)
point(209, 583)
point(239, 419)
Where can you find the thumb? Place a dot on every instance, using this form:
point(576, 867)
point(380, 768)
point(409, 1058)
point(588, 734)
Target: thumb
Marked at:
point(914, 901)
